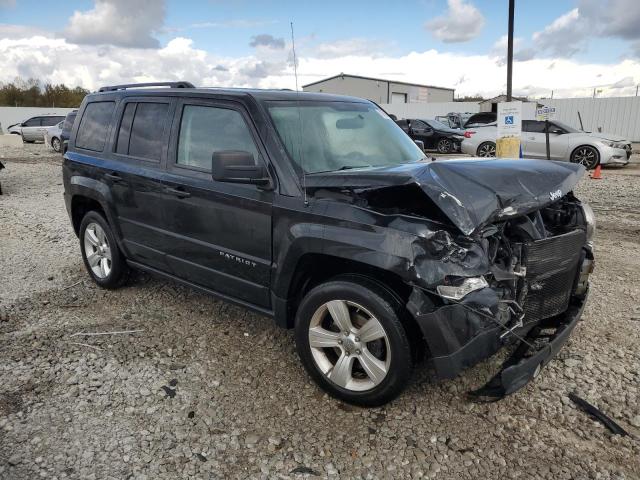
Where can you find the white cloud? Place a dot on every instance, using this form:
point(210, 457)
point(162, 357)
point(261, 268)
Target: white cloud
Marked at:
point(346, 47)
point(462, 22)
point(59, 61)
point(124, 23)
point(564, 36)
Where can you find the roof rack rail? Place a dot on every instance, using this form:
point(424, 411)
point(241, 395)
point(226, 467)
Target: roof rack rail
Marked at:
point(113, 88)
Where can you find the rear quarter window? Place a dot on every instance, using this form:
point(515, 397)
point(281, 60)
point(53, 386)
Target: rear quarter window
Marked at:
point(92, 132)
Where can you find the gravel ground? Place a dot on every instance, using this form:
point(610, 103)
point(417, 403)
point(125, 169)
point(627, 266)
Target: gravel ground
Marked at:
point(209, 390)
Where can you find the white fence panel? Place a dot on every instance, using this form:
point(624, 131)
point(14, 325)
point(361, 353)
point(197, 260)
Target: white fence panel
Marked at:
point(429, 110)
point(618, 116)
point(11, 115)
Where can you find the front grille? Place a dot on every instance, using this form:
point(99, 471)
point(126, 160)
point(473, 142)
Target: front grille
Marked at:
point(551, 270)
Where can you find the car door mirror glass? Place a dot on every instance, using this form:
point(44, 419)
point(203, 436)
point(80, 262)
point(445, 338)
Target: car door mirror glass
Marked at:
point(237, 166)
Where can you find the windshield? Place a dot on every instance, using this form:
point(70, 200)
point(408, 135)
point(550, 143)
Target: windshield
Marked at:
point(566, 127)
point(328, 136)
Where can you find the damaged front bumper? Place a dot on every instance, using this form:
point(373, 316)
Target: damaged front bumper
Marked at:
point(461, 334)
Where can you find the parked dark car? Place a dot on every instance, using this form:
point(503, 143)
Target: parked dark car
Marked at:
point(318, 211)
point(467, 120)
point(66, 130)
point(433, 134)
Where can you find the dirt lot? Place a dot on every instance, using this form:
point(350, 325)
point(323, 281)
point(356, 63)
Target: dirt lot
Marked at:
point(209, 390)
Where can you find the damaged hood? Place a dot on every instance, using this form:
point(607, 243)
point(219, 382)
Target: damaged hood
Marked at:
point(471, 193)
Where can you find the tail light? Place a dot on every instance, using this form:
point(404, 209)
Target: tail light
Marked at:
point(468, 134)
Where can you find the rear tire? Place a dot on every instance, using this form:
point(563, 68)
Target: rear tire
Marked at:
point(55, 144)
point(352, 343)
point(486, 150)
point(102, 257)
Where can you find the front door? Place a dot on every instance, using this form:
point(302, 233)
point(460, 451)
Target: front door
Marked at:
point(535, 141)
point(220, 232)
point(421, 131)
point(32, 129)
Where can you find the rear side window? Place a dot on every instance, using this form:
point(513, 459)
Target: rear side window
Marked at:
point(141, 131)
point(204, 130)
point(92, 132)
point(68, 122)
point(51, 121)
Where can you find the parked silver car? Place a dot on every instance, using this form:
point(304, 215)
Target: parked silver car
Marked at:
point(52, 136)
point(565, 143)
point(34, 128)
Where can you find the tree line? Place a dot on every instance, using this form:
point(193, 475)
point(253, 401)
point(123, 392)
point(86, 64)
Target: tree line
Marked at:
point(34, 93)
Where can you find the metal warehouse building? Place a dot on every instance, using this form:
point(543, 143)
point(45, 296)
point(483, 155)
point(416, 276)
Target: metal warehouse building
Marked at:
point(379, 90)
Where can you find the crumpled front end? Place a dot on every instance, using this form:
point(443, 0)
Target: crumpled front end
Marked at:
point(531, 292)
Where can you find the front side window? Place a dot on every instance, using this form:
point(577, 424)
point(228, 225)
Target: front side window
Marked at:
point(92, 132)
point(33, 122)
point(141, 132)
point(205, 130)
point(327, 136)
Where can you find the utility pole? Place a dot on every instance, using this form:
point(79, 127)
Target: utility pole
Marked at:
point(510, 50)
point(637, 89)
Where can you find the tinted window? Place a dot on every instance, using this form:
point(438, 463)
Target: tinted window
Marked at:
point(146, 134)
point(68, 122)
point(124, 133)
point(92, 132)
point(50, 121)
point(204, 130)
point(33, 122)
point(532, 126)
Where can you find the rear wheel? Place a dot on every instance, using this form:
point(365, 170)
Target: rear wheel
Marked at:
point(487, 149)
point(55, 144)
point(351, 341)
point(444, 145)
point(586, 156)
point(102, 257)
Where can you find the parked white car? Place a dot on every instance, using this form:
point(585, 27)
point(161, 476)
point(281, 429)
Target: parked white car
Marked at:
point(34, 128)
point(565, 143)
point(52, 136)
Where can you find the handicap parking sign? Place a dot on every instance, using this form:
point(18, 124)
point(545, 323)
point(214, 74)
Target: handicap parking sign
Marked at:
point(508, 120)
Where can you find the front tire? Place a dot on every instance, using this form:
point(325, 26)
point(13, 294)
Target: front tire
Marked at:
point(586, 156)
point(487, 150)
point(100, 253)
point(352, 343)
point(444, 145)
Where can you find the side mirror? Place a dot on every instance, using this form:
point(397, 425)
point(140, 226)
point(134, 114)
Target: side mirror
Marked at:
point(236, 166)
point(420, 144)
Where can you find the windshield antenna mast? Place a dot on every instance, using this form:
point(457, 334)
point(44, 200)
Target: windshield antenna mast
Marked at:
point(300, 152)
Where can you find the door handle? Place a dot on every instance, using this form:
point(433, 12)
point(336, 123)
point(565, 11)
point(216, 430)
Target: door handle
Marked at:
point(114, 177)
point(178, 192)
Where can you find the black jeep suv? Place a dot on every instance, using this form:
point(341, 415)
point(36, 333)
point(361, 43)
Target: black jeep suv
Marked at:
point(319, 211)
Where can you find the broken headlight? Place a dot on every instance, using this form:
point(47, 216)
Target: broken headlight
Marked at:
point(590, 220)
point(465, 287)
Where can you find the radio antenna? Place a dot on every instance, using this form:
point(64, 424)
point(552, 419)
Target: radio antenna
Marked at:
point(300, 150)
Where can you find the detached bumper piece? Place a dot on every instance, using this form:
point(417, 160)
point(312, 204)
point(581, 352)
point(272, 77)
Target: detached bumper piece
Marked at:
point(534, 352)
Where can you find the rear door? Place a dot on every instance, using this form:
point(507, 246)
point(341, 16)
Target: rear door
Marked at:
point(139, 147)
point(220, 233)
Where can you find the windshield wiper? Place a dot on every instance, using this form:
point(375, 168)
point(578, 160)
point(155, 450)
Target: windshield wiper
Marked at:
point(349, 167)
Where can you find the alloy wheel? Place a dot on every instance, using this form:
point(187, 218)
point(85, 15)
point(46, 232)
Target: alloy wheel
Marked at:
point(444, 145)
point(586, 156)
point(55, 143)
point(97, 250)
point(487, 150)
point(349, 345)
